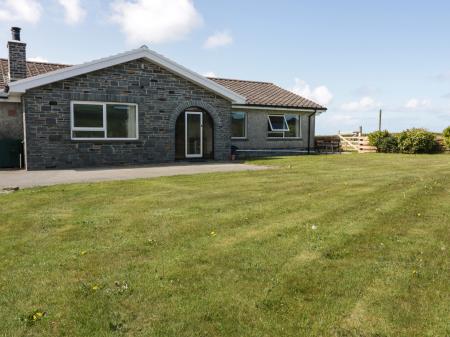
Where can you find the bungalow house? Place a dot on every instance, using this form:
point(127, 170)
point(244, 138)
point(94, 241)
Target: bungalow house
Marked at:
point(139, 107)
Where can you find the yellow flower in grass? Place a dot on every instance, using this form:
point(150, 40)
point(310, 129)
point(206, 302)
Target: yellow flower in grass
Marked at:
point(83, 252)
point(37, 315)
point(213, 234)
point(95, 287)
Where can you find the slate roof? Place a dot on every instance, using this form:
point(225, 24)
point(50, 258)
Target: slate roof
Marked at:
point(267, 94)
point(33, 69)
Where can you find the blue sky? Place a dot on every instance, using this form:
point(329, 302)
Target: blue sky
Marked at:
point(354, 56)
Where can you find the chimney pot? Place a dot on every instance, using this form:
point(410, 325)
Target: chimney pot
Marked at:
point(15, 32)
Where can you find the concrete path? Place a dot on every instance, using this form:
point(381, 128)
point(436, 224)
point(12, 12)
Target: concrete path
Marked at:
point(24, 179)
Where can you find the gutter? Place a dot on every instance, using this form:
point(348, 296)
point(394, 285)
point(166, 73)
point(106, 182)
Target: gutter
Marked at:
point(277, 107)
point(309, 131)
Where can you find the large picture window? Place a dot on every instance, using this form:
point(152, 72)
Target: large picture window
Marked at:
point(283, 126)
point(95, 120)
point(238, 124)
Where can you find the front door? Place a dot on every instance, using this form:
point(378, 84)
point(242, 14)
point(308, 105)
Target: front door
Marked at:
point(194, 134)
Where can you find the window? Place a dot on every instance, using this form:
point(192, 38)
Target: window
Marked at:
point(277, 123)
point(293, 122)
point(283, 126)
point(238, 124)
point(121, 121)
point(88, 116)
point(92, 120)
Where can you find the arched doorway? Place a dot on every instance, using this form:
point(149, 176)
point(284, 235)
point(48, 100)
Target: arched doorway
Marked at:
point(194, 135)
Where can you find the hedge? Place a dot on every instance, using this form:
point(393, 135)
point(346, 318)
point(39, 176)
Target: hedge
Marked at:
point(446, 136)
point(409, 141)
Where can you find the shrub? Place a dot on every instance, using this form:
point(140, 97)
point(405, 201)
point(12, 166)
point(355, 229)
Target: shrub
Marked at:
point(416, 141)
point(375, 138)
point(446, 135)
point(388, 144)
point(383, 141)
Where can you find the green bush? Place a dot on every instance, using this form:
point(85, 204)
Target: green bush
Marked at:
point(383, 141)
point(446, 135)
point(388, 144)
point(416, 141)
point(375, 138)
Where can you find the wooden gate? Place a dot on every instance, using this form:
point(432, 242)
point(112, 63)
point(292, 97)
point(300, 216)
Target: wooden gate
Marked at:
point(356, 143)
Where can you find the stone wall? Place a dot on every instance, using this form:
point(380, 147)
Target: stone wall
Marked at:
point(11, 121)
point(257, 133)
point(161, 96)
point(17, 60)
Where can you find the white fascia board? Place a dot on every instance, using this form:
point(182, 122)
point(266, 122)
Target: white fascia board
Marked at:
point(22, 86)
point(268, 108)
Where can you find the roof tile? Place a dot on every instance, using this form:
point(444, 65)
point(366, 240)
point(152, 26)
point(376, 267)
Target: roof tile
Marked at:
point(33, 69)
point(267, 94)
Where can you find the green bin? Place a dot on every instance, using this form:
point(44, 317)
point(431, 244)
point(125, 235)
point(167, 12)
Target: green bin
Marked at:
point(10, 153)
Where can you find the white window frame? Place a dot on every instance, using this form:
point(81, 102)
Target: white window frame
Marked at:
point(186, 116)
point(245, 125)
point(299, 126)
point(278, 130)
point(105, 126)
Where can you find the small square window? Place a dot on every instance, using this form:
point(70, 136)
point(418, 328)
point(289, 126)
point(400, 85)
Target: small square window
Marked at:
point(88, 116)
point(121, 121)
point(277, 123)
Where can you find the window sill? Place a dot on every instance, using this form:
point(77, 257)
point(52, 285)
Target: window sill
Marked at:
point(283, 139)
point(239, 139)
point(101, 140)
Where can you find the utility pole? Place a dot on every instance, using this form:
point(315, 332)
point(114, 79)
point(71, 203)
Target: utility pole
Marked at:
point(379, 120)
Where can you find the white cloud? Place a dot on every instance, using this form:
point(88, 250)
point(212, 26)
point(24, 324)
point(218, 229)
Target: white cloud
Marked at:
point(74, 12)
point(37, 59)
point(210, 74)
point(364, 104)
point(219, 39)
point(155, 21)
point(415, 103)
point(20, 10)
point(320, 94)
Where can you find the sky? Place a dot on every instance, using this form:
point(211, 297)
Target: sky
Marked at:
point(354, 57)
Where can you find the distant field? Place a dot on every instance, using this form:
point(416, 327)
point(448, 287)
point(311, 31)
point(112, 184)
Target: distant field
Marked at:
point(343, 245)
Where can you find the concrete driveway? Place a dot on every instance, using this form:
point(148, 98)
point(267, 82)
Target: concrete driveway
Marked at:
point(24, 179)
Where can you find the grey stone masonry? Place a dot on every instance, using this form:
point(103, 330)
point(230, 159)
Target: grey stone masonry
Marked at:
point(160, 95)
point(17, 60)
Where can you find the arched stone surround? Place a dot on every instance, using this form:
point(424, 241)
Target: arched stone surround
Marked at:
point(221, 147)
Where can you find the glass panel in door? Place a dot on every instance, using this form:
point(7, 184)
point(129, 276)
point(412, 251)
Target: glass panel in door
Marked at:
point(194, 135)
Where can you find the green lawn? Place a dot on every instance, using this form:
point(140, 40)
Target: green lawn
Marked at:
point(350, 245)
